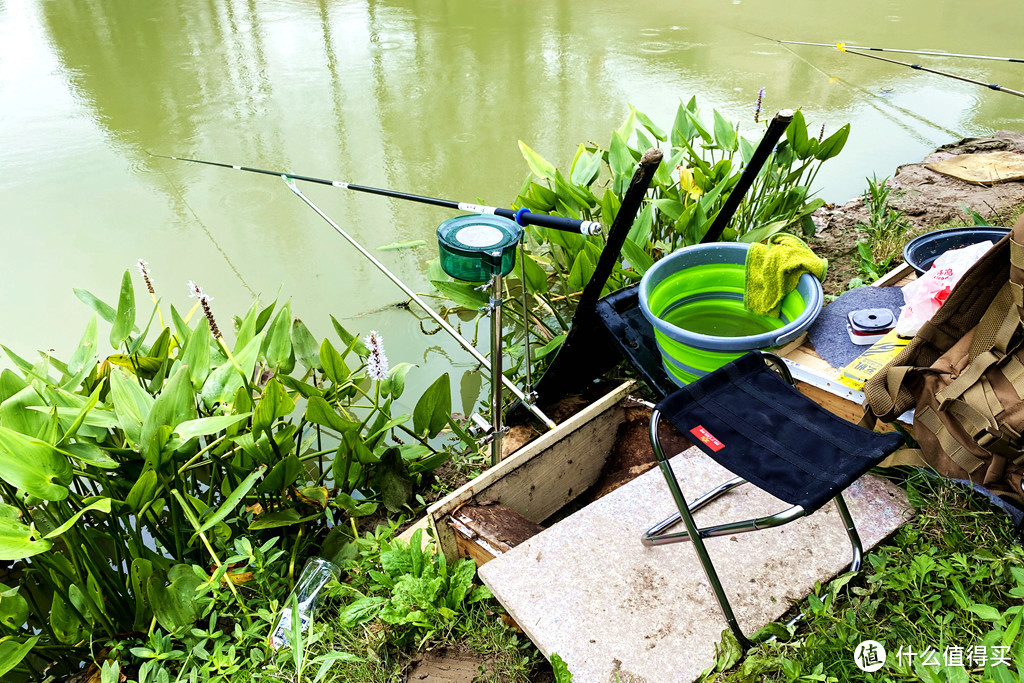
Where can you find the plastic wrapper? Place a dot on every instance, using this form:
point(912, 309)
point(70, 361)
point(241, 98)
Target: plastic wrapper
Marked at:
point(308, 594)
point(925, 295)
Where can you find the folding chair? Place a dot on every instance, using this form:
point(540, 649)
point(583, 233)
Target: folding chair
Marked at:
point(760, 428)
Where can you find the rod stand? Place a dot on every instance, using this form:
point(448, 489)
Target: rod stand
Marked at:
point(494, 306)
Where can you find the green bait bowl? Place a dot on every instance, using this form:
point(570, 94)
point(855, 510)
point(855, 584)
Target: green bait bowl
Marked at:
point(694, 300)
point(476, 247)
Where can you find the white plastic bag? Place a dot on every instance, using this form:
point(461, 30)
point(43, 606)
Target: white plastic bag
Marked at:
point(927, 293)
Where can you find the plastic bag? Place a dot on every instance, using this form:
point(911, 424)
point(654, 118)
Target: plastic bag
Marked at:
point(308, 595)
point(927, 293)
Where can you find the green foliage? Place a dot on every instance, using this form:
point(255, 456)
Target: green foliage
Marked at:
point(414, 590)
point(561, 670)
point(701, 165)
point(128, 482)
point(885, 234)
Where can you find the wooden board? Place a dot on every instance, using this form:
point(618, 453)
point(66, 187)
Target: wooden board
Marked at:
point(542, 477)
point(485, 531)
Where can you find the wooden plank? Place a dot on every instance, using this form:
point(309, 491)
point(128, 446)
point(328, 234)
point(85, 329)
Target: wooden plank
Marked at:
point(537, 489)
point(482, 532)
point(897, 277)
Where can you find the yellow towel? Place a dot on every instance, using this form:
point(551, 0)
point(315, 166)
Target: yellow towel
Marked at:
point(773, 270)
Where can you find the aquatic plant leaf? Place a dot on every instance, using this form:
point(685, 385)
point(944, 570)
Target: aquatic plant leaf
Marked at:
point(282, 475)
point(131, 405)
point(305, 346)
point(654, 130)
point(638, 259)
point(833, 144)
point(231, 503)
point(86, 348)
point(197, 354)
point(395, 246)
point(124, 320)
point(223, 382)
point(13, 607)
point(620, 160)
point(319, 411)
point(394, 385)
point(17, 540)
point(274, 404)
point(174, 605)
point(541, 167)
point(581, 272)
point(434, 407)
point(33, 466)
point(142, 491)
point(103, 505)
point(105, 310)
point(12, 651)
point(176, 404)
point(273, 520)
point(350, 340)
point(90, 454)
point(278, 344)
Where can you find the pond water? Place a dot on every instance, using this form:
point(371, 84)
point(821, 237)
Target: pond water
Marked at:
point(422, 96)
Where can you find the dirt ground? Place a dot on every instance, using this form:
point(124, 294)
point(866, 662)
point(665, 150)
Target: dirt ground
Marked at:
point(927, 198)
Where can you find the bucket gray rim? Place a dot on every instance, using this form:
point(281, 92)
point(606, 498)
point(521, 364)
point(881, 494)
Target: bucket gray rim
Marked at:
point(736, 253)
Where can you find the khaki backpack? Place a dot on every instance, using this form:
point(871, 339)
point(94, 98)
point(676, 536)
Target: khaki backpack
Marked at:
point(963, 374)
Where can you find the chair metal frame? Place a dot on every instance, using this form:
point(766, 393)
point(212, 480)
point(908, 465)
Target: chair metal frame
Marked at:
point(659, 534)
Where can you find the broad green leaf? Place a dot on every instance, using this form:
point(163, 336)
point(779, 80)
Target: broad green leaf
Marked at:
point(725, 133)
point(83, 414)
point(833, 144)
point(585, 168)
point(90, 454)
point(275, 403)
point(536, 277)
point(174, 605)
point(205, 426)
point(581, 272)
point(538, 164)
point(394, 385)
point(10, 384)
point(142, 491)
point(278, 342)
point(319, 411)
point(223, 383)
point(197, 354)
point(326, 661)
point(86, 348)
point(625, 131)
point(17, 412)
point(230, 503)
point(13, 607)
point(18, 541)
point(12, 651)
point(462, 294)
point(141, 570)
point(434, 407)
point(247, 327)
point(33, 465)
point(131, 405)
point(552, 345)
point(796, 134)
point(354, 507)
point(124, 321)
point(274, 520)
point(105, 310)
point(638, 259)
point(176, 404)
point(282, 475)
point(305, 346)
point(619, 158)
point(646, 122)
point(360, 611)
point(136, 364)
point(640, 231)
point(333, 363)
point(347, 338)
point(103, 505)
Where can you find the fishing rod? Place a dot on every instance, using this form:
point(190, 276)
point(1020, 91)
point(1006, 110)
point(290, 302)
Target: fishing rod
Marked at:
point(290, 181)
point(991, 86)
point(521, 216)
point(933, 53)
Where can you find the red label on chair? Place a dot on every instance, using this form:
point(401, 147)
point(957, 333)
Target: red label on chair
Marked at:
point(709, 440)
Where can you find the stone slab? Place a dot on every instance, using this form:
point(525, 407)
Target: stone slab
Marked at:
point(614, 610)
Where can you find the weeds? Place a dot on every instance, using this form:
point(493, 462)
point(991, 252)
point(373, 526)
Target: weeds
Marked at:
point(886, 232)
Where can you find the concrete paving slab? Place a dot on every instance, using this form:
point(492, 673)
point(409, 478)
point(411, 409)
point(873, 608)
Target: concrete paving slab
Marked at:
point(616, 611)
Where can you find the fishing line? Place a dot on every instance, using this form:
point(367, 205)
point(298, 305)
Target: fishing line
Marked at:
point(181, 198)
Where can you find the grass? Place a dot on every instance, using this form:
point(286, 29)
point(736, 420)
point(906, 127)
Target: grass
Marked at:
point(952, 577)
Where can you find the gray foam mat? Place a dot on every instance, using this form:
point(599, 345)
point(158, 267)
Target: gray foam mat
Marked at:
point(828, 333)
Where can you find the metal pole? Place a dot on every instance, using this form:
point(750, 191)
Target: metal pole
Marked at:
point(412, 295)
point(496, 374)
point(526, 319)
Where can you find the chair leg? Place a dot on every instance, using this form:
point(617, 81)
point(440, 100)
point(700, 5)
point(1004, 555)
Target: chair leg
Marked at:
point(851, 531)
point(698, 541)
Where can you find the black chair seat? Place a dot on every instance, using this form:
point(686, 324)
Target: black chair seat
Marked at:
point(745, 417)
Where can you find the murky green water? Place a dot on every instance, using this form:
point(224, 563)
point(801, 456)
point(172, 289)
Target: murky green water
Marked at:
point(427, 97)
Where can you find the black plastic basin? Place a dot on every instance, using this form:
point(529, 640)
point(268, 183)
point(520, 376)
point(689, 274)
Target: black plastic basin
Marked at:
point(921, 251)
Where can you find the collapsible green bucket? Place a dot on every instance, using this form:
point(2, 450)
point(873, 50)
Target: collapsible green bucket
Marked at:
point(694, 300)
